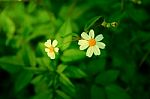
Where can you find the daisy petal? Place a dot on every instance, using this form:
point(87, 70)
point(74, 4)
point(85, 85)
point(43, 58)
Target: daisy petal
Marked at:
point(85, 36)
point(81, 42)
point(49, 41)
point(55, 42)
point(91, 33)
point(99, 37)
point(89, 52)
point(47, 44)
point(46, 50)
point(56, 49)
point(100, 45)
point(84, 46)
point(51, 55)
point(96, 50)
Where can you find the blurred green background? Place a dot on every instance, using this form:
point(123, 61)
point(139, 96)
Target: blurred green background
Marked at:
point(122, 71)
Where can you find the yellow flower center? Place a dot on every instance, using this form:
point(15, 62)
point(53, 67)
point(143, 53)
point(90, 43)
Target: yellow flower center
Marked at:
point(92, 42)
point(51, 49)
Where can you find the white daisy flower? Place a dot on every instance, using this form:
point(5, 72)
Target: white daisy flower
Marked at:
point(51, 48)
point(93, 44)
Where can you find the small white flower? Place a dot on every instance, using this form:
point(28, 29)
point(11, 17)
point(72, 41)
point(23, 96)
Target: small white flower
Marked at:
point(94, 44)
point(51, 48)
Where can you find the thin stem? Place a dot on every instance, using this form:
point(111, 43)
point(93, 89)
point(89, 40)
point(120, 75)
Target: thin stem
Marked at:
point(144, 58)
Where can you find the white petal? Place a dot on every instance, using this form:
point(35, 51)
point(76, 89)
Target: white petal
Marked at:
point(49, 41)
point(89, 52)
point(96, 50)
point(100, 45)
point(47, 44)
point(56, 49)
point(51, 55)
point(99, 37)
point(85, 36)
point(46, 50)
point(55, 42)
point(81, 42)
point(91, 33)
point(84, 46)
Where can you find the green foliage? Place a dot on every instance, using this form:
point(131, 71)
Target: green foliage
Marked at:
point(8, 26)
point(122, 71)
point(9, 64)
point(71, 55)
point(64, 35)
point(74, 72)
point(97, 92)
point(96, 21)
point(107, 77)
point(115, 92)
point(22, 80)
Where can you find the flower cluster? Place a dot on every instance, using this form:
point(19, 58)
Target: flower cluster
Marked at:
point(89, 42)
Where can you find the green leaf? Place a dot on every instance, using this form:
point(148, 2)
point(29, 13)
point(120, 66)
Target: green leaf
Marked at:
point(97, 65)
point(74, 72)
point(44, 95)
point(62, 94)
point(22, 80)
point(142, 14)
point(40, 52)
point(116, 92)
point(129, 71)
point(37, 79)
point(65, 80)
point(41, 30)
point(8, 26)
point(107, 77)
point(42, 16)
point(61, 68)
point(31, 7)
point(64, 35)
point(44, 62)
point(72, 55)
point(98, 92)
point(67, 85)
point(94, 21)
point(11, 64)
point(29, 56)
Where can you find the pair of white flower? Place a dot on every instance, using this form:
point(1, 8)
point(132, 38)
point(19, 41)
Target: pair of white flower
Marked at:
point(88, 41)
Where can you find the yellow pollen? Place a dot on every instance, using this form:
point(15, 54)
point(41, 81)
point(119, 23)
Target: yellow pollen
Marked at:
point(92, 42)
point(51, 49)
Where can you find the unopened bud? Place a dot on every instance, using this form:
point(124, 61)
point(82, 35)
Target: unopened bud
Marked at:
point(114, 24)
point(104, 24)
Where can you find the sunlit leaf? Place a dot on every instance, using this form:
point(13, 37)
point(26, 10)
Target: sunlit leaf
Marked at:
point(74, 72)
point(61, 68)
point(65, 80)
point(7, 25)
point(72, 55)
point(36, 79)
point(62, 94)
point(67, 85)
point(44, 95)
point(64, 35)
